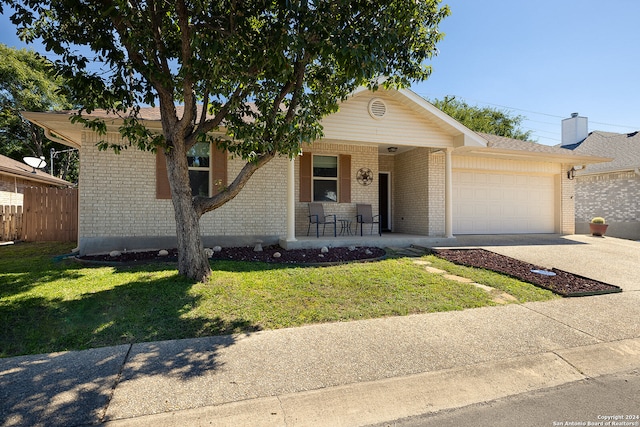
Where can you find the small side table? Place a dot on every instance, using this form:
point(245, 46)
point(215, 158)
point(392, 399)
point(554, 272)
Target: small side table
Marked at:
point(345, 227)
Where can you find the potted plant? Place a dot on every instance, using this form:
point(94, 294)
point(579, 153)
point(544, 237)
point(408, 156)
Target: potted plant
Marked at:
point(598, 227)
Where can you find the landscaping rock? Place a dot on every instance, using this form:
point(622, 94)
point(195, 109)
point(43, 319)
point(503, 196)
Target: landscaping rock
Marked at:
point(292, 256)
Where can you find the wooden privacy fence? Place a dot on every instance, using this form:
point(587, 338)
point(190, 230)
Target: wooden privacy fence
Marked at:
point(10, 223)
point(50, 214)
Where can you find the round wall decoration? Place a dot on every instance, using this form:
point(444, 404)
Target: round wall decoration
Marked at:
point(364, 176)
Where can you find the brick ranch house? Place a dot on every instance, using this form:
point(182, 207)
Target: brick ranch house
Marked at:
point(15, 176)
point(432, 178)
point(610, 190)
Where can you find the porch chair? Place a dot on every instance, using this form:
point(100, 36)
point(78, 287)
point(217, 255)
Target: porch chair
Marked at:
point(317, 217)
point(365, 216)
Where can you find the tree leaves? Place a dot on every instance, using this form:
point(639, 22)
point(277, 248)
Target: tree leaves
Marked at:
point(484, 119)
point(27, 83)
point(150, 52)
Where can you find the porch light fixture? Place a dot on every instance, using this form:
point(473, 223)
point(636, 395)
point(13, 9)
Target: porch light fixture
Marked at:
point(392, 149)
point(571, 173)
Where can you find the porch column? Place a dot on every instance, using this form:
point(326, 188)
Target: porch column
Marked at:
point(291, 201)
point(448, 194)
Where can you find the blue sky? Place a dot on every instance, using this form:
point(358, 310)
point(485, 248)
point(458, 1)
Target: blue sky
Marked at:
point(542, 59)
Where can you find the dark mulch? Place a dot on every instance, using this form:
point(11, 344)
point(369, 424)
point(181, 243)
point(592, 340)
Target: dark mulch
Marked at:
point(292, 256)
point(563, 283)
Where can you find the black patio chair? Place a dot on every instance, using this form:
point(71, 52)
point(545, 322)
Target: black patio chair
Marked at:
point(365, 216)
point(317, 217)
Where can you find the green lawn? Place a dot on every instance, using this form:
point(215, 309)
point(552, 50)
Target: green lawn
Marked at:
point(48, 304)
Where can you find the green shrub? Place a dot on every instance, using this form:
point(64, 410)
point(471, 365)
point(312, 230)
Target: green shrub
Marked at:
point(597, 220)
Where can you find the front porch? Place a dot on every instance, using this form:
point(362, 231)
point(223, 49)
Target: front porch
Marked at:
point(386, 240)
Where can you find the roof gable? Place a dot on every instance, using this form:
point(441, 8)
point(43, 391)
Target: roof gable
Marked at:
point(408, 120)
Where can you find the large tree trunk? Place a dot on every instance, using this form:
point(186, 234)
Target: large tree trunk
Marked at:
point(192, 261)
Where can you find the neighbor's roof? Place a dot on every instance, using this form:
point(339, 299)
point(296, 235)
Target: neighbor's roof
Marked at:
point(624, 148)
point(9, 166)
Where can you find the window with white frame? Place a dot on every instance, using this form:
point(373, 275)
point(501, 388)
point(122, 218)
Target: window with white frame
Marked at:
point(199, 157)
point(325, 178)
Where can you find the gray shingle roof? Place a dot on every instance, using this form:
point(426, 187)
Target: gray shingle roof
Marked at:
point(624, 148)
point(495, 141)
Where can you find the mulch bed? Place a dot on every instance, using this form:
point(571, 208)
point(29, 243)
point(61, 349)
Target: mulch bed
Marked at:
point(563, 283)
point(292, 256)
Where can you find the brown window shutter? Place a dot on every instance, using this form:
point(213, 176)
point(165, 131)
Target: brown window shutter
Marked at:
point(305, 177)
point(345, 178)
point(218, 170)
point(163, 190)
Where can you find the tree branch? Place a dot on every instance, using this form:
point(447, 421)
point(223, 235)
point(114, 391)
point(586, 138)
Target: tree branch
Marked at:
point(208, 125)
point(190, 109)
point(297, 92)
point(156, 29)
point(203, 205)
point(123, 27)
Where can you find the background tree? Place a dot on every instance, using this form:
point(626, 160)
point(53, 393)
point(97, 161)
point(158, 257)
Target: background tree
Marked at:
point(268, 70)
point(484, 119)
point(28, 83)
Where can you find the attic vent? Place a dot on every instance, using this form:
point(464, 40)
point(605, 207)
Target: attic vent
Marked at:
point(377, 108)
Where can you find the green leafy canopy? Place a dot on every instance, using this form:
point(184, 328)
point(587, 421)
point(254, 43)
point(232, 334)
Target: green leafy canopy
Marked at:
point(28, 83)
point(484, 119)
point(266, 70)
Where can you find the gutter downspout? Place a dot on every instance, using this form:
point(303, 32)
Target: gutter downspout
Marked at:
point(55, 138)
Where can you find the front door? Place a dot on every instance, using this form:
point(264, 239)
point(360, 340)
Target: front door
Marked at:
point(384, 197)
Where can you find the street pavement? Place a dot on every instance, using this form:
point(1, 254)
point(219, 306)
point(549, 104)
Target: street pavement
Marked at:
point(608, 400)
point(354, 373)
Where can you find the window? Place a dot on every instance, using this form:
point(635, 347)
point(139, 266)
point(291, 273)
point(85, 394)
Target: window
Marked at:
point(314, 186)
point(325, 178)
point(199, 167)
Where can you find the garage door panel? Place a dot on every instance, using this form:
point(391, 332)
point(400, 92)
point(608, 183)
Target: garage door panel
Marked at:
point(493, 203)
point(494, 180)
point(495, 194)
point(481, 210)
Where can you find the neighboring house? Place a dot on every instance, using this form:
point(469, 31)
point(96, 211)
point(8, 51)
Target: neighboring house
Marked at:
point(432, 177)
point(610, 190)
point(15, 176)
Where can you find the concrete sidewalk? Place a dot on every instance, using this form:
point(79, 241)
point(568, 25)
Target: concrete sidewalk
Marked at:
point(349, 374)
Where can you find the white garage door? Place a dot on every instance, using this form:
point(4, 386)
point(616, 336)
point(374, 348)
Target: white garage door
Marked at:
point(492, 203)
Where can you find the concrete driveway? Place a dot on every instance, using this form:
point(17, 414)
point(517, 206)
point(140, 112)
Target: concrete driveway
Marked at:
point(607, 259)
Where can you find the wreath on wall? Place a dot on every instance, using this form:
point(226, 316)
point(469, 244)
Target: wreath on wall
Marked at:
point(364, 176)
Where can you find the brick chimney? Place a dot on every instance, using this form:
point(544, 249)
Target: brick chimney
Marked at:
point(574, 129)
